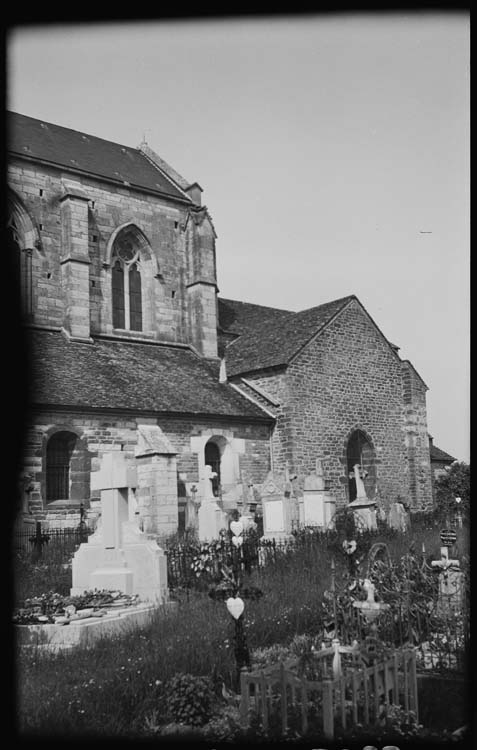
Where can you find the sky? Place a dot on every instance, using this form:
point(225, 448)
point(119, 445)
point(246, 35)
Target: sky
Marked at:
point(333, 152)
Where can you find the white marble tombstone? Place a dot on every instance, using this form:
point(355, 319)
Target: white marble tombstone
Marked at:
point(314, 498)
point(397, 517)
point(278, 507)
point(318, 505)
point(119, 556)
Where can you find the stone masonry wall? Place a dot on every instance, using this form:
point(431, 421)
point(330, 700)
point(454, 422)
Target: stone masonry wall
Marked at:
point(100, 434)
point(418, 466)
point(348, 378)
point(274, 382)
point(110, 206)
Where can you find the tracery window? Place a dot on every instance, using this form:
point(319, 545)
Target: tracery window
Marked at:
point(126, 284)
point(21, 257)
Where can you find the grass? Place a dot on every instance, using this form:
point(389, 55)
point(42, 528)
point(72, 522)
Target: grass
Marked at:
point(113, 688)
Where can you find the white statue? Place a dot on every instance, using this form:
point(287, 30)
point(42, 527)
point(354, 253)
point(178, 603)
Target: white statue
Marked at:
point(209, 476)
point(359, 475)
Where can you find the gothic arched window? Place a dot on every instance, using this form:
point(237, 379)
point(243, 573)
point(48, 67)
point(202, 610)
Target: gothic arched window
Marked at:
point(19, 235)
point(126, 283)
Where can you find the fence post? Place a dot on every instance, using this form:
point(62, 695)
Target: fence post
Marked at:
point(244, 700)
point(328, 722)
point(415, 702)
point(405, 663)
point(366, 693)
point(376, 694)
point(283, 697)
point(37, 542)
point(263, 692)
point(304, 707)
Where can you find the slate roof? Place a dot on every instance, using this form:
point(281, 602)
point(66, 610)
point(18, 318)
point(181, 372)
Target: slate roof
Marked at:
point(269, 337)
point(76, 151)
point(112, 374)
point(439, 455)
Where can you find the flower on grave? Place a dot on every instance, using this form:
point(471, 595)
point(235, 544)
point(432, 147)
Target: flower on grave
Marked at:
point(349, 547)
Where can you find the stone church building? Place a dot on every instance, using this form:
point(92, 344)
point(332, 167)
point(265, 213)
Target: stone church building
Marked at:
point(133, 350)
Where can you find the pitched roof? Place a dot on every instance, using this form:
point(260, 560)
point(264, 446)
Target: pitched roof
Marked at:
point(133, 376)
point(439, 455)
point(79, 152)
point(269, 337)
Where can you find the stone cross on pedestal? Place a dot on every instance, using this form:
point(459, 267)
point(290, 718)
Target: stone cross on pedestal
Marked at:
point(118, 556)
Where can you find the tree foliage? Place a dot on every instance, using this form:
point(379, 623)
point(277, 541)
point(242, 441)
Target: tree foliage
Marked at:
point(455, 483)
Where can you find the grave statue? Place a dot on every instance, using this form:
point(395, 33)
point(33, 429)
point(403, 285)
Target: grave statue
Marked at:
point(209, 476)
point(364, 507)
point(359, 475)
point(211, 517)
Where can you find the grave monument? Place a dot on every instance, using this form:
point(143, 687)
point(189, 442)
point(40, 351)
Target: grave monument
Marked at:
point(318, 505)
point(211, 518)
point(280, 508)
point(363, 507)
point(119, 556)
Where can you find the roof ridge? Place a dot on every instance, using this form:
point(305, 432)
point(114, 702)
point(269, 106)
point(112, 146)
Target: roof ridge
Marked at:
point(330, 302)
point(254, 304)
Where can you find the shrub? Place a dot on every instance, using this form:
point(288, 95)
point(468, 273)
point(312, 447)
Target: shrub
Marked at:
point(189, 699)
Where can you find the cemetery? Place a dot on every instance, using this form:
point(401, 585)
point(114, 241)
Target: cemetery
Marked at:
point(331, 625)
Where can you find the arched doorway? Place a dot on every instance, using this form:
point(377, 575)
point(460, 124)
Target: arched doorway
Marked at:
point(212, 458)
point(360, 451)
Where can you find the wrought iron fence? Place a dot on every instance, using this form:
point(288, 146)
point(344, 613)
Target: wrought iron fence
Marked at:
point(196, 564)
point(50, 545)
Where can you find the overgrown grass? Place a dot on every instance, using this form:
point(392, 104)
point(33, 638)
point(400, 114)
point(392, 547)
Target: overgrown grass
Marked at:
point(36, 578)
point(114, 687)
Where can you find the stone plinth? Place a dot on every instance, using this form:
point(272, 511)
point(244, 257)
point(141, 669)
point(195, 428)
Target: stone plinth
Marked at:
point(86, 632)
point(211, 521)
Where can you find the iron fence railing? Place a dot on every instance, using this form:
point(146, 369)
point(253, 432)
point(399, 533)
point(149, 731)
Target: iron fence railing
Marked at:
point(50, 545)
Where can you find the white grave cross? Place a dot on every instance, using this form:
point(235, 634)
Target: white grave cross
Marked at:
point(444, 563)
point(114, 479)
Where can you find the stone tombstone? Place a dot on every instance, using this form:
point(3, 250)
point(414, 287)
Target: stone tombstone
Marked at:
point(318, 504)
point(451, 583)
point(398, 517)
point(119, 556)
point(278, 506)
point(211, 518)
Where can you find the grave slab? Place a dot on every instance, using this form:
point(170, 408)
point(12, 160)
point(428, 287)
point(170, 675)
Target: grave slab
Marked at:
point(89, 630)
